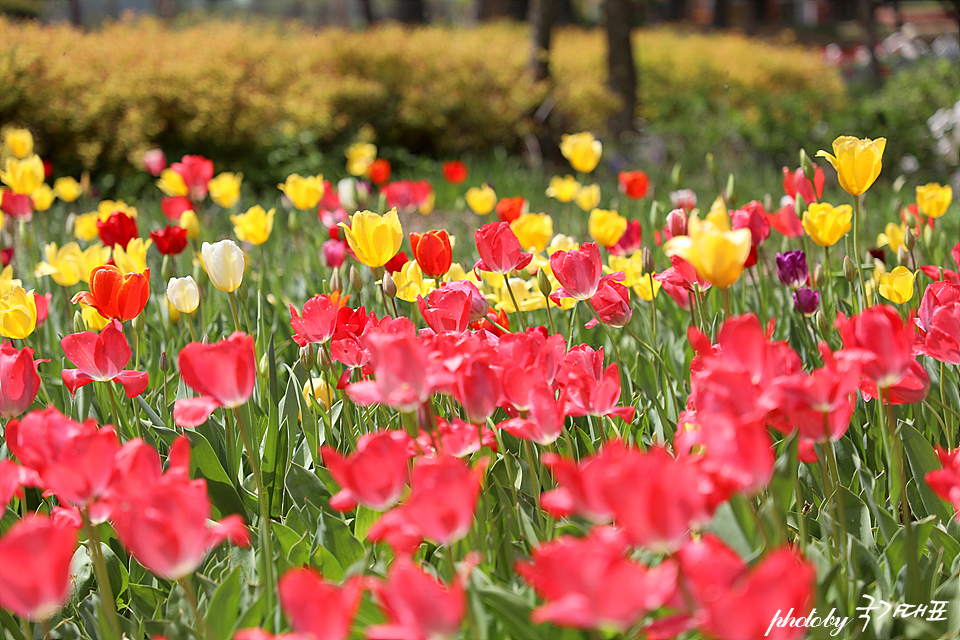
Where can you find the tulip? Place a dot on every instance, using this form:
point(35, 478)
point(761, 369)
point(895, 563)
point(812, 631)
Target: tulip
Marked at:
point(379, 171)
point(254, 226)
point(454, 171)
point(582, 150)
point(375, 475)
point(334, 253)
point(509, 209)
point(64, 264)
point(133, 259)
point(588, 197)
point(170, 240)
point(408, 196)
point(446, 309)
point(36, 555)
point(884, 341)
point(417, 605)
point(676, 223)
point(408, 282)
point(360, 156)
point(630, 241)
point(433, 252)
point(897, 285)
point(18, 142)
point(612, 304)
point(634, 184)
point(534, 230)
point(18, 206)
point(499, 248)
point(18, 370)
point(175, 207)
point(189, 221)
point(934, 199)
point(318, 609)
point(684, 199)
point(857, 162)
point(172, 183)
point(796, 183)
point(224, 264)
point(183, 294)
point(563, 189)
point(589, 389)
point(481, 199)
point(806, 300)
point(304, 192)
point(318, 323)
point(42, 197)
point(101, 358)
point(67, 189)
point(115, 295)
point(606, 227)
point(196, 172)
point(154, 161)
point(577, 271)
point(223, 373)
point(718, 256)
point(893, 236)
point(18, 313)
point(225, 189)
point(939, 322)
point(117, 230)
point(826, 224)
point(374, 238)
point(945, 482)
point(92, 257)
point(792, 269)
point(478, 302)
point(317, 390)
point(23, 176)
point(643, 284)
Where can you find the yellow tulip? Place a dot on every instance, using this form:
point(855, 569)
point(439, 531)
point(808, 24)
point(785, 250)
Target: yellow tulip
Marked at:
point(18, 313)
point(426, 207)
point(94, 256)
point(563, 189)
point(172, 313)
point(189, 221)
point(534, 231)
point(92, 318)
point(42, 197)
point(106, 207)
point(19, 142)
point(225, 189)
point(133, 259)
point(304, 192)
point(23, 176)
point(224, 263)
point(933, 199)
point(183, 294)
point(528, 296)
point(254, 226)
point(481, 199)
point(606, 227)
point(317, 389)
point(642, 283)
point(717, 255)
point(582, 150)
point(897, 286)
point(374, 238)
point(857, 161)
point(826, 224)
point(64, 264)
point(892, 236)
point(561, 242)
point(172, 184)
point(360, 156)
point(85, 226)
point(411, 283)
point(588, 197)
point(67, 188)
point(7, 282)
point(718, 215)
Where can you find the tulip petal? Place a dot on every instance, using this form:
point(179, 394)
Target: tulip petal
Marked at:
point(73, 379)
point(134, 382)
point(192, 412)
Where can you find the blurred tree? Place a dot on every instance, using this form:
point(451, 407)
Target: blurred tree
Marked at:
point(366, 10)
point(412, 11)
point(543, 15)
point(493, 9)
point(618, 17)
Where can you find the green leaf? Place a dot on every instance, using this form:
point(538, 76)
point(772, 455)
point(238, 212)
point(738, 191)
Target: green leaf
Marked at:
point(509, 608)
point(363, 521)
point(295, 547)
point(224, 608)
point(922, 459)
point(205, 464)
point(328, 565)
point(338, 540)
point(306, 490)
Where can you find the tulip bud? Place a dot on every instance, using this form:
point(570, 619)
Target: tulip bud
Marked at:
point(676, 176)
point(809, 170)
point(646, 260)
point(543, 282)
point(164, 362)
point(677, 223)
point(910, 239)
point(336, 284)
point(138, 323)
point(908, 218)
point(731, 190)
point(799, 206)
point(901, 255)
point(898, 184)
point(389, 286)
point(849, 270)
point(206, 338)
point(927, 235)
point(655, 207)
point(323, 360)
point(78, 323)
point(711, 165)
point(816, 275)
point(767, 202)
point(356, 282)
point(308, 356)
point(263, 364)
point(824, 324)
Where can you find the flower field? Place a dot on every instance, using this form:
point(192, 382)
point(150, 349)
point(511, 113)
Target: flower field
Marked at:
point(372, 406)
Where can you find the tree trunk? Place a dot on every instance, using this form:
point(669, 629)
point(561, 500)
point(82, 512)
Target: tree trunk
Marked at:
point(543, 15)
point(621, 68)
point(494, 9)
point(76, 14)
point(366, 10)
point(865, 15)
point(411, 11)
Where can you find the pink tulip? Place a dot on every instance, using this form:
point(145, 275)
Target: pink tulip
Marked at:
point(318, 322)
point(375, 475)
point(499, 249)
point(18, 371)
point(416, 605)
point(223, 373)
point(318, 609)
point(101, 357)
point(35, 559)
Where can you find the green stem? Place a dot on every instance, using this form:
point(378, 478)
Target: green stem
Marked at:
point(199, 623)
point(553, 328)
point(726, 303)
point(943, 400)
point(912, 591)
point(856, 250)
point(516, 306)
point(107, 600)
point(233, 310)
point(113, 404)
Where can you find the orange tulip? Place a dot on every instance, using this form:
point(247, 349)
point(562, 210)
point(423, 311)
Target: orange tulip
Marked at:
point(115, 295)
point(432, 251)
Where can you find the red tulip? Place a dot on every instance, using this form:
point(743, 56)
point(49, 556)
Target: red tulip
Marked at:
point(456, 438)
point(379, 171)
point(885, 341)
point(433, 252)
point(753, 217)
point(581, 485)
point(446, 309)
point(115, 295)
point(543, 423)
point(43, 307)
point(395, 263)
point(196, 172)
point(408, 196)
point(117, 230)
point(318, 322)
point(913, 387)
point(454, 171)
point(612, 304)
point(417, 606)
point(334, 253)
point(6, 255)
point(939, 322)
point(223, 373)
point(375, 475)
point(946, 481)
point(796, 183)
point(16, 204)
point(478, 302)
point(589, 389)
point(74, 460)
point(101, 358)
point(577, 271)
point(316, 608)
point(630, 241)
point(591, 583)
point(18, 371)
point(170, 240)
point(477, 387)
point(35, 557)
point(634, 184)
point(509, 209)
point(174, 206)
point(499, 249)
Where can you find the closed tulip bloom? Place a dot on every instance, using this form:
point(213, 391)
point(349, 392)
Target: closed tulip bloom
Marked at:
point(360, 156)
point(455, 171)
point(606, 227)
point(897, 285)
point(612, 304)
point(317, 609)
point(481, 199)
point(634, 184)
point(806, 300)
point(374, 238)
point(18, 313)
point(172, 183)
point(500, 250)
point(154, 161)
point(893, 236)
point(101, 358)
point(196, 172)
point(933, 199)
point(534, 230)
point(304, 192)
point(20, 381)
point(433, 252)
point(19, 142)
point(67, 189)
point(18, 206)
point(577, 271)
point(170, 240)
point(223, 373)
point(792, 269)
point(563, 189)
point(254, 226)
point(189, 221)
point(718, 256)
point(826, 224)
point(46, 546)
point(375, 475)
point(225, 189)
point(582, 150)
point(224, 264)
point(115, 295)
point(42, 197)
point(588, 197)
point(23, 176)
point(183, 294)
point(857, 161)
point(64, 264)
point(117, 230)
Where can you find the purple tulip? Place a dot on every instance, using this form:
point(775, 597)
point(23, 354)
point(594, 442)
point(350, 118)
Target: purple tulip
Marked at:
point(792, 269)
point(807, 300)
